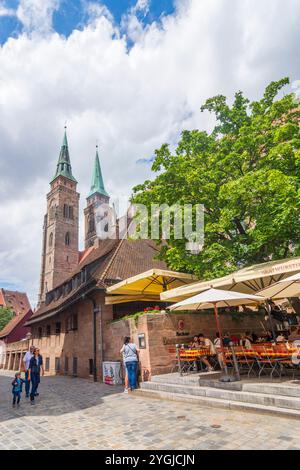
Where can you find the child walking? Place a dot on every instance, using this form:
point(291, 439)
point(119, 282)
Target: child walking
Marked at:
point(17, 385)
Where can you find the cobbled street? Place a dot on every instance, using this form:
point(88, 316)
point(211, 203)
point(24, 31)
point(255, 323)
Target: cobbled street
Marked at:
point(78, 414)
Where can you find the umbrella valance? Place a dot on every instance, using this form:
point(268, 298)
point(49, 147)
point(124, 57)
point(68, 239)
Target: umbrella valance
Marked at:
point(289, 287)
point(248, 280)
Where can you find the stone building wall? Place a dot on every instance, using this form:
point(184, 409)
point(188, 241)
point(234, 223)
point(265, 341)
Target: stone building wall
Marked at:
point(163, 331)
point(71, 351)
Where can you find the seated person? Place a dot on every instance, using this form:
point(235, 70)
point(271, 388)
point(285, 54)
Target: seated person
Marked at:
point(246, 309)
point(268, 337)
point(234, 339)
point(226, 340)
point(295, 334)
point(254, 337)
point(245, 341)
point(281, 338)
point(207, 344)
point(274, 307)
point(195, 343)
point(217, 341)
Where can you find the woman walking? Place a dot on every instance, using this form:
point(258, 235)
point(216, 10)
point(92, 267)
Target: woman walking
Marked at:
point(34, 371)
point(131, 359)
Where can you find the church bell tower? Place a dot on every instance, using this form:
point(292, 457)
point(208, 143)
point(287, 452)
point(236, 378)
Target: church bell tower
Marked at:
point(97, 206)
point(60, 253)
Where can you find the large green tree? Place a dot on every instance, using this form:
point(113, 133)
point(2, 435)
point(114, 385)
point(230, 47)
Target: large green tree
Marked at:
point(246, 172)
point(6, 315)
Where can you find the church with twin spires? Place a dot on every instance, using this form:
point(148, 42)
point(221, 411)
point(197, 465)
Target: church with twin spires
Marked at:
point(60, 251)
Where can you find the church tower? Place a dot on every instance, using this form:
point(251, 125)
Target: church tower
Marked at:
point(97, 206)
point(61, 226)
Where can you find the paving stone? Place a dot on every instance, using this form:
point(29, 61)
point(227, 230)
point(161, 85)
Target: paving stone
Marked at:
point(77, 414)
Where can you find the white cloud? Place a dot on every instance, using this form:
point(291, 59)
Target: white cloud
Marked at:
point(36, 15)
point(5, 11)
point(96, 10)
point(142, 5)
point(131, 101)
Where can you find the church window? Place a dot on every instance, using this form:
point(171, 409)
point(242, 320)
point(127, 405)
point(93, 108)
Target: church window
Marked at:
point(67, 239)
point(51, 240)
point(68, 211)
point(91, 224)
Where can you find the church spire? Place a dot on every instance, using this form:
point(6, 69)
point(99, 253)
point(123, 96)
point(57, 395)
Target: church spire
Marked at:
point(97, 185)
point(64, 167)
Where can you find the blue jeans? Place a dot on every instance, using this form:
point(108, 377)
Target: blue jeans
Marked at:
point(16, 397)
point(35, 380)
point(131, 368)
point(27, 384)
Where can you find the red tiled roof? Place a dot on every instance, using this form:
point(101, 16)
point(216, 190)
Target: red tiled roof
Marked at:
point(17, 301)
point(115, 260)
point(13, 323)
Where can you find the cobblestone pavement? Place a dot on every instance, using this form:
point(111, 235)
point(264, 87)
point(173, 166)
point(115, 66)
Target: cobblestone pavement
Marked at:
point(77, 414)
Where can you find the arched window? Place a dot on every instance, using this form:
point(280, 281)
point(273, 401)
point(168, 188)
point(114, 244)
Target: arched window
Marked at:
point(91, 224)
point(67, 239)
point(51, 240)
point(68, 212)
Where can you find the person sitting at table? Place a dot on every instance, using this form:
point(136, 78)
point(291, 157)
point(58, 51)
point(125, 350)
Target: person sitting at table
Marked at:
point(234, 339)
point(268, 337)
point(254, 337)
point(226, 340)
point(217, 341)
point(295, 334)
point(274, 307)
point(208, 345)
point(245, 341)
point(195, 343)
point(246, 309)
point(281, 338)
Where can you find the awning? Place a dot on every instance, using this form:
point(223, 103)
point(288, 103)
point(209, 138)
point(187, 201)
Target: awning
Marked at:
point(247, 280)
point(147, 286)
point(289, 287)
point(216, 297)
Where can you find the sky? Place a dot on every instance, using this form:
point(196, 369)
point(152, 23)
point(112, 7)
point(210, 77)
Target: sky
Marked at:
point(130, 75)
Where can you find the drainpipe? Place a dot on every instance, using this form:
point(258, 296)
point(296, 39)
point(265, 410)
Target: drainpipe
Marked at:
point(95, 311)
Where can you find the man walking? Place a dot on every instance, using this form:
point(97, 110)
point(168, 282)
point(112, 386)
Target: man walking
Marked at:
point(26, 361)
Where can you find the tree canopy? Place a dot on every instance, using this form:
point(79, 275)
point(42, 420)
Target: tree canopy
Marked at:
point(246, 172)
point(6, 315)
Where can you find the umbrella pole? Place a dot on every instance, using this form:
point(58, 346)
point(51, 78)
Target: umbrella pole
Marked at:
point(221, 337)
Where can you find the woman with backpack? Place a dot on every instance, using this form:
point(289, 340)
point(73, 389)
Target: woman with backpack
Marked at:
point(131, 359)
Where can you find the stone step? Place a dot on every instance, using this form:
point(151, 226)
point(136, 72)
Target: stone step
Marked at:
point(264, 399)
point(193, 378)
point(218, 403)
point(283, 389)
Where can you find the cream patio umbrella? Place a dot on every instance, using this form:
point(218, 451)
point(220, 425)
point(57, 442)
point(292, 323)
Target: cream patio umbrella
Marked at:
point(249, 280)
point(216, 298)
point(289, 287)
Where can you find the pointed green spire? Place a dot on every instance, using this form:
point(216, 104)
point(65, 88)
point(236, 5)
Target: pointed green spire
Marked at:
point(64, 167)
point(97, 185)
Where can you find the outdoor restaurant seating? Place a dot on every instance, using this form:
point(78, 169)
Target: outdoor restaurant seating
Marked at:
point(263, 359)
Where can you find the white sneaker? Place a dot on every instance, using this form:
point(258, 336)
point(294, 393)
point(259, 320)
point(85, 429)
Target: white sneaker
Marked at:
point(126, 390)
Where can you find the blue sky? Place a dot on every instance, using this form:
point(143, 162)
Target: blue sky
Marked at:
point(124, 79)
point(71, 14)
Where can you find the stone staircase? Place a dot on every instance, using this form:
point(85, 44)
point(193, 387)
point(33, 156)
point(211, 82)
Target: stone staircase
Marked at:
point(262, 397)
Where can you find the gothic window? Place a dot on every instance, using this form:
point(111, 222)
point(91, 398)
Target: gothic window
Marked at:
point(51, 240)
point(67, 239)
point(91, 224)
point(68, 211)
